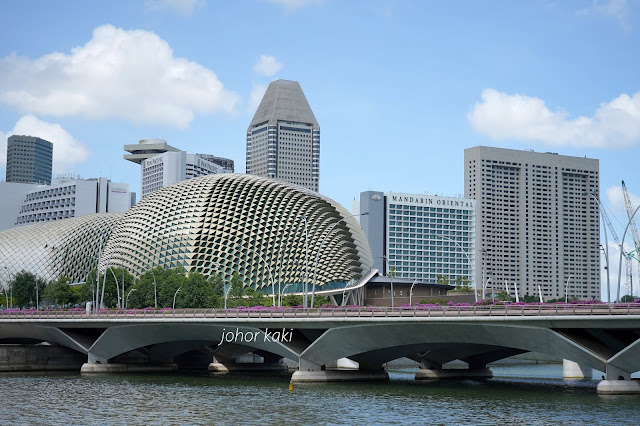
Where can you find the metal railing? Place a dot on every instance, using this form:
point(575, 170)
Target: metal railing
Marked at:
point(429, 311)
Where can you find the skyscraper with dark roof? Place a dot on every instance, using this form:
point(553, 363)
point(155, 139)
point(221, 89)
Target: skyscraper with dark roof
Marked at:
point(283, 139)
point(29, 160)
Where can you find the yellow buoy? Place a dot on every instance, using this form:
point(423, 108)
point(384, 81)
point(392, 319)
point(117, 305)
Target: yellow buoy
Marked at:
point(290, 386)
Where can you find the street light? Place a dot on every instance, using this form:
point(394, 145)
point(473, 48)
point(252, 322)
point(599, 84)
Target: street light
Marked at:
point(475, 286)
point(226, 293)
point(306, 256)
point(126, 302)
point(622, 249)
point(411, 290)
point(606, 245)
point(10, 286)
point(273, 284)
point(282, 294)
point(315, 269)
point(155, 288)
point(566, 286)
point(386, 260)
point(174, 297)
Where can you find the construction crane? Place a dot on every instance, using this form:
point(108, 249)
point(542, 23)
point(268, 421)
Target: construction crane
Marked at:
point(634, 233)
point(627, 256)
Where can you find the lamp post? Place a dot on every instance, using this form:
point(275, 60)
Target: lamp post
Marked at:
point(315, 269)
point(622, 249)
point(226, 293)
point(174, 297)
point(273, 284)
point(468, 260)
point(566, 286)
point(126, 302)
point(10, 287)
point(386, 261)
point(411, 290)
point(305, 296)
point(282, 294)
point(606, 245)
point(6, 297)
point(155, 288)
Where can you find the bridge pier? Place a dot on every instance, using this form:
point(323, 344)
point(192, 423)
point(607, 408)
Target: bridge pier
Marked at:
point(574, 370)
point(453, 373)
point(430, 370)
point(89, 368)
point(270, 364)
point(618, 382)
point(310, 372)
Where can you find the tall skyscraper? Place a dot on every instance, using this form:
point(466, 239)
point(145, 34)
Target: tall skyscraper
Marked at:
point(29, 160)
point(536, 224)
point(283, 139)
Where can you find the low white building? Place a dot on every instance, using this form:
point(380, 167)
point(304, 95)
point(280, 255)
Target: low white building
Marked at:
point(171, 167)
point(66, 198)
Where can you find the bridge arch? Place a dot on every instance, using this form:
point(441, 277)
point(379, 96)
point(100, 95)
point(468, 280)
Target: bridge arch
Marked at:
point(341, 342)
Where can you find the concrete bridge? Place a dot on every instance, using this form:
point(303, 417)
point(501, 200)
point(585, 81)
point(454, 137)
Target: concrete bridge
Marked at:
point(603, 337)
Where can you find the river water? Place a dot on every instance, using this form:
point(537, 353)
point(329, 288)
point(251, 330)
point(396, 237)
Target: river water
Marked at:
point(531, 394)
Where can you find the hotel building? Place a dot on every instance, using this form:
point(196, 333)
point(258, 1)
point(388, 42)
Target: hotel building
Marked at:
point(417, 236)
point(536, 224)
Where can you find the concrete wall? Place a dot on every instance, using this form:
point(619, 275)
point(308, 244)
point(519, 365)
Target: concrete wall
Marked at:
point(40, 358)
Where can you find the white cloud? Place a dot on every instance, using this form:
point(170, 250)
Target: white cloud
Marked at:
point(267, 65)
point(67, 150)
point(182, 7)
point(296, 4)
point(617, 9)
point(256, 96)
point(131, 75)
point(501, 116)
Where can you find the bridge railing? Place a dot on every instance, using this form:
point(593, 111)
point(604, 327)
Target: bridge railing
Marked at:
point(335, 312)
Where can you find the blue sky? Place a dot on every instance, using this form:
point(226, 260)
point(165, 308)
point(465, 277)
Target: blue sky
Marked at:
point(400, 88)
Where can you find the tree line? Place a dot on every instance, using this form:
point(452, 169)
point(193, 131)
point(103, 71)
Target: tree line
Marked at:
point(121, 289)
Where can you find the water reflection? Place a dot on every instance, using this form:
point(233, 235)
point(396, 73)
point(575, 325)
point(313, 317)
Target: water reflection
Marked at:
point(512, 397)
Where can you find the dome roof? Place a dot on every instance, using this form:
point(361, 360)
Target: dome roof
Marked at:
point(240, 223)
point(49, 250)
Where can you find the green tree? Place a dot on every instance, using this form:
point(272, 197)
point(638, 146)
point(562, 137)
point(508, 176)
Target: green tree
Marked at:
point(169, 281)
point(24, 289)
point(442, 279)
point(196, 292)
point(529, 298)
point(59, 292)
point(294, 300)
point(255, 297)
point(505, 297)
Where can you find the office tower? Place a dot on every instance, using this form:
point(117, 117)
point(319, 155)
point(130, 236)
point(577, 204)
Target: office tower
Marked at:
point(417, 236)
point(162, 164)
point(29, 160)
point(537, 227)
point(283, 139)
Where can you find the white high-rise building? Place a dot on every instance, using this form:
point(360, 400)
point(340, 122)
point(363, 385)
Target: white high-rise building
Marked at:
point(283, 139)
point(536, 224)
point(417, 236)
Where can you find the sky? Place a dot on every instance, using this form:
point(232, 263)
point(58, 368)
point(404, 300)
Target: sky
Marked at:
point(400, 88)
